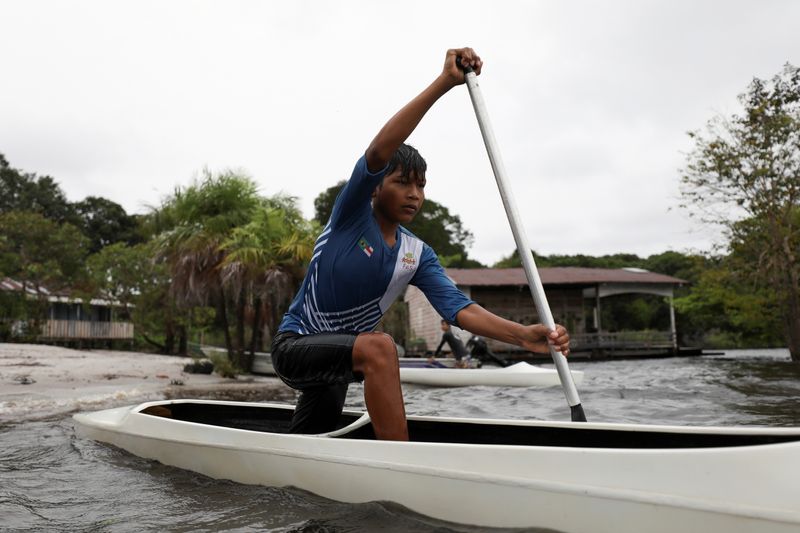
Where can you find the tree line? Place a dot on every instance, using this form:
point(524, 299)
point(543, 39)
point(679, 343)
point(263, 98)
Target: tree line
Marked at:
point(217, 261)
point(215, 258)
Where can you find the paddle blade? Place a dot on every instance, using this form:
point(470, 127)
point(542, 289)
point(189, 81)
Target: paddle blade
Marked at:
point(577, 413)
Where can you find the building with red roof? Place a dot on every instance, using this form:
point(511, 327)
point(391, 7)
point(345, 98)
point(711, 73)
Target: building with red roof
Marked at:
point(574, 294)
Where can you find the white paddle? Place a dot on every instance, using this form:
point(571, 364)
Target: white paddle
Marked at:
point(534, 282)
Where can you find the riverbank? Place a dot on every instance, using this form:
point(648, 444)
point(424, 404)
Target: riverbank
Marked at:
point(41, 381)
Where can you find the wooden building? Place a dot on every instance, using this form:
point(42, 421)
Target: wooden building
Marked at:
point(71, 319)
point(575, 297)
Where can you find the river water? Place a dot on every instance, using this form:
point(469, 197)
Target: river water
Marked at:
point(50, 480)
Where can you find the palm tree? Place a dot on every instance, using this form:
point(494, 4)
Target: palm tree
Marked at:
point(263, 262)
point(195, 221)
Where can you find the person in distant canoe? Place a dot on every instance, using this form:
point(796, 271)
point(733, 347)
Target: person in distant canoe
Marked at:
point(456, 346)
point(479, 349)
point(362, 261)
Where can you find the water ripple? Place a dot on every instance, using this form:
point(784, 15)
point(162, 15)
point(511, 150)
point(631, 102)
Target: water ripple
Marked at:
point(54, 481)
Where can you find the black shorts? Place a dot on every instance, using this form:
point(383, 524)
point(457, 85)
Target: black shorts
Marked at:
point(311, 361)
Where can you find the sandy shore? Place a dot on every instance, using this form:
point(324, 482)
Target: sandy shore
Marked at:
point(40, 381)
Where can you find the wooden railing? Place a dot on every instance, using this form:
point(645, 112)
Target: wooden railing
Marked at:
point(622, 340)
point(83, 329)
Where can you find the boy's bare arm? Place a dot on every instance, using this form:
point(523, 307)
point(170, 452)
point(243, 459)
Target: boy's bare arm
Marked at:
point(534, 338)
point(400, 126)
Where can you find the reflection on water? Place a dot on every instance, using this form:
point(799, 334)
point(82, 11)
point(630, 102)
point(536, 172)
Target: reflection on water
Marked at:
point(52, 480)
point(765, 390)
point(739, 388)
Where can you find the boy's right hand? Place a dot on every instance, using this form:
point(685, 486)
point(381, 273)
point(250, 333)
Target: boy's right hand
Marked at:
point(452, 72)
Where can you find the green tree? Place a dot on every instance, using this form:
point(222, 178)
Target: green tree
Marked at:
point(105, 222)
point(226, 246)
point(683, 266)
point(43, 256)
point(579, 260)
point(263, 263)
point(445, 233)
point(195, 221)
point(722, 310)
point(323, 203)
point(130, 276)
point(434, 224)
point(20, 191)
point(512, 260)
point(101, 220)
point(744, 174)
point(40, 252)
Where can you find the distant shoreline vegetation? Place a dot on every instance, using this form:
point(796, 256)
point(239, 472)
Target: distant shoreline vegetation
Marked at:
point(216, 257)
point(218, 263)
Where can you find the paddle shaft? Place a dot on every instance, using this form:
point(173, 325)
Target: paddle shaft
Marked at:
point(531, 273)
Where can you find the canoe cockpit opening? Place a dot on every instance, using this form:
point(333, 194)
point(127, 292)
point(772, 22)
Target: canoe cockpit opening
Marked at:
point(251, 418)
point(272, 419)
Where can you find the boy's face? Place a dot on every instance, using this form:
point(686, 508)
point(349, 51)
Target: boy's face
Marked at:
point(399, 198)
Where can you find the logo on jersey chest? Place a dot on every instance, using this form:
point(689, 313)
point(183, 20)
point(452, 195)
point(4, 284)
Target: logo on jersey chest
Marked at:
point(408, 262)
point(365, 246)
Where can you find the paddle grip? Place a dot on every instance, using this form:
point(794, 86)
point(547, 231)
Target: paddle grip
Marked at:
point(467, 69)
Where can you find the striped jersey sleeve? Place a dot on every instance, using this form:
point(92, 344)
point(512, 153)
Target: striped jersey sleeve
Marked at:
point(440, 290)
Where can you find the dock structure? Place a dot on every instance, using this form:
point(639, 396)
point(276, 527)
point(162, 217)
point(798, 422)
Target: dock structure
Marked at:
point(575, 297)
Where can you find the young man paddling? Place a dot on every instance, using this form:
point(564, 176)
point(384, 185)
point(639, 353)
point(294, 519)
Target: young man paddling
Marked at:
point(362, 261)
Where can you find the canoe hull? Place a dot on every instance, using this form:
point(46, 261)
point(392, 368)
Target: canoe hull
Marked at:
point(517, 375)
point(564, 488)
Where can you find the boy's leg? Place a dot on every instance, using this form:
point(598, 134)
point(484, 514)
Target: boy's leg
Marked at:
point(320, 367)
point(318, 409)
point(308, 362)
point(375, 356)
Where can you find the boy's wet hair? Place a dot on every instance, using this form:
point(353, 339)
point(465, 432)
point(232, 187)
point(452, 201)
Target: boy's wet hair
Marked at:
point(408, 159)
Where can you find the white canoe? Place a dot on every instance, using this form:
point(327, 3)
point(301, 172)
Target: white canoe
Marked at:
point(569, 476)
point(517, 375)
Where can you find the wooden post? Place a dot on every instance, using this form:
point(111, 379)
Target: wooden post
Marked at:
point(597, 310)
point(672, 327)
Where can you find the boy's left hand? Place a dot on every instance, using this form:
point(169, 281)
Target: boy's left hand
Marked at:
point(538, 338)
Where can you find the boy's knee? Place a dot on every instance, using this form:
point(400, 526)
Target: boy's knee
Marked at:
point(377, 342)
point(373, 349)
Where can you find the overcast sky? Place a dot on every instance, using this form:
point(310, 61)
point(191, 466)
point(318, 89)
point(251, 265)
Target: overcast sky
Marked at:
point(590, 102)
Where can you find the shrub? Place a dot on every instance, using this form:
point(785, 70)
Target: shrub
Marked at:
point(223, 366)
point(199, 366)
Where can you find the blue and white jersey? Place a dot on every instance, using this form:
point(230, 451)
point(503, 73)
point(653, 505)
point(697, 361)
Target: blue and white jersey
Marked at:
point(354, 276)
